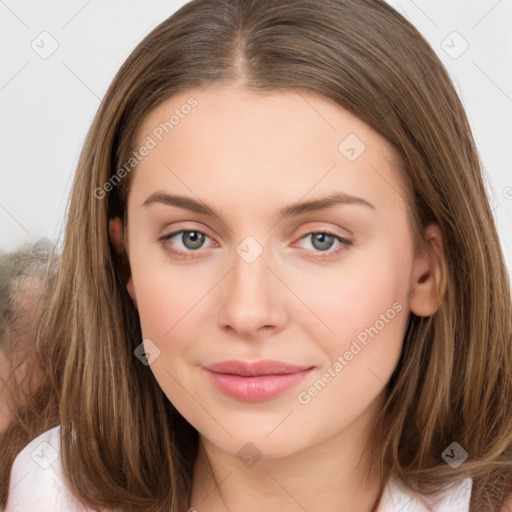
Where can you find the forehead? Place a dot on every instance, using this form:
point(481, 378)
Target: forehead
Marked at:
point(302, 114)
point(247, 140)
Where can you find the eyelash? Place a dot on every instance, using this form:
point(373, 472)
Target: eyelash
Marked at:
point(345, 244)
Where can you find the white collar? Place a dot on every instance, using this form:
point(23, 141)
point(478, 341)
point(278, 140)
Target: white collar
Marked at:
point(396, 497)
point(29, 494)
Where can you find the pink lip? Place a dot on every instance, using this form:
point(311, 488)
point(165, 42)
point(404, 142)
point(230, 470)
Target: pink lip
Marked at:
point(256, 381)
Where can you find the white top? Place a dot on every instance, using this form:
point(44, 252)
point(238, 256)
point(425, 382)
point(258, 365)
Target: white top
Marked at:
point(37, 485)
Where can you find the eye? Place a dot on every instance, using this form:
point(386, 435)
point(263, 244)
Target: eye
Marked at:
point(193, 240)
point(190, 240)
point(323, 241)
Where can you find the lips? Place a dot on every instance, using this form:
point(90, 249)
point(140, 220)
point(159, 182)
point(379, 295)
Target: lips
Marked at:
point(257, 381)
point(263, 367)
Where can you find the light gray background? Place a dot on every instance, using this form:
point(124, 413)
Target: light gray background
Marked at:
point(47, 104)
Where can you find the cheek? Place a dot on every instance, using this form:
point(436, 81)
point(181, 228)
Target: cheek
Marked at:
point(359, 358)
point(166, 297)
point(166, 313)
point(156, 305)
point(171, 306)
point(357, 317)
point(364, 314)
point(340, 304)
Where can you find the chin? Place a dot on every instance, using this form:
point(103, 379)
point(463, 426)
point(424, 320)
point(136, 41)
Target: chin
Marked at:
point(258, 445)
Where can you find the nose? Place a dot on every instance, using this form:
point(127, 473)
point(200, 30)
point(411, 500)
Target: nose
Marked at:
point(251, 298)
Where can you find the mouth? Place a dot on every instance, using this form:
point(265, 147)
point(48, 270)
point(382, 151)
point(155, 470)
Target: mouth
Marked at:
point(255, 382)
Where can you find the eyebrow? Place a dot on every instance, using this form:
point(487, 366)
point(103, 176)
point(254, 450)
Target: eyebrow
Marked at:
point(323, 203)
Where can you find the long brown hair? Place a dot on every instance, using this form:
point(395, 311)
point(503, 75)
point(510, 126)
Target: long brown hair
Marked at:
point(133, 450)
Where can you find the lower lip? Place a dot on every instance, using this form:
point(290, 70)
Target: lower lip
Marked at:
point(256, 389)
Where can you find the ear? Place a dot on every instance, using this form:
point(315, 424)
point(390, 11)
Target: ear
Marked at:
point(115, 227)
point(428, 279)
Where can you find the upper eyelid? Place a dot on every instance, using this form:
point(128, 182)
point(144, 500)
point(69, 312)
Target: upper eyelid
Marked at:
point(203, 229)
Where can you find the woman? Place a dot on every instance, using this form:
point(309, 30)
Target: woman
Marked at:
point(281, 284)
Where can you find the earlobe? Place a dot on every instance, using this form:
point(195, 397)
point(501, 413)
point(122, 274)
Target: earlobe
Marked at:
point(428, 276)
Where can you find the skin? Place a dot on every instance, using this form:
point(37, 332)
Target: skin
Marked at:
point(247, 155)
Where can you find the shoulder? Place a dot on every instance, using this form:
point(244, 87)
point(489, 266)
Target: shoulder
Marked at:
point(455, 499)
point(37, 482)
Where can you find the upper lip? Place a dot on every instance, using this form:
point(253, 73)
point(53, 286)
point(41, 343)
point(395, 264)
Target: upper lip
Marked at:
point(251, 369)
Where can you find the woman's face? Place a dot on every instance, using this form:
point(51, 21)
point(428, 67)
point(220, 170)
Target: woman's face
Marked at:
point(280, 272)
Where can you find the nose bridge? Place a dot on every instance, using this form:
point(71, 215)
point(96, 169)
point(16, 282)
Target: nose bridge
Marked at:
point(250, 294)
point(250, 272)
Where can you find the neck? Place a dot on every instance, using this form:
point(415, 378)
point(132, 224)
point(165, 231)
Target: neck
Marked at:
point(327, 476)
